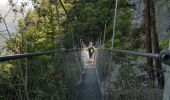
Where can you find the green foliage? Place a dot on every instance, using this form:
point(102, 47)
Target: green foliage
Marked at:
point(164, 44)
point(89, 18)
point(38, 31)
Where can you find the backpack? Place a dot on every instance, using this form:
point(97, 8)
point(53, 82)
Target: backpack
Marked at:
point(91, 50)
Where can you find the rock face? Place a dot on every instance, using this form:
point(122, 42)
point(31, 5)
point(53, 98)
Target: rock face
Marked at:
point(162, 16)
point(137, 12)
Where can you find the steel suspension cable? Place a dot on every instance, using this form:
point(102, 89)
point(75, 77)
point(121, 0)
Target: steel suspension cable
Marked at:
point(104, 35)
point(111, 63)
point(114, 23)
point(108, 13)
point(70, 21)
point(62, 56)
point(73, 41)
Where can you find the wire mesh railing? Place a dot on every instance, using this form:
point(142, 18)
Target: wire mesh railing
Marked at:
point(54, 76)
point(127, 77)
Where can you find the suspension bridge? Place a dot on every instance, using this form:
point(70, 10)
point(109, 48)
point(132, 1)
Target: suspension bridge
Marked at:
point(103, 80)
point(65, 74)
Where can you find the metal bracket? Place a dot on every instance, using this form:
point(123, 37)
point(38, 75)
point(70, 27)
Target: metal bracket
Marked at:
point(165, 57)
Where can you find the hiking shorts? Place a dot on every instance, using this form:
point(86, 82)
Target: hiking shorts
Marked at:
point(90, 55)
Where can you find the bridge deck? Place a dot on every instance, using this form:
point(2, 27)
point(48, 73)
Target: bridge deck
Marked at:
point(89, 88)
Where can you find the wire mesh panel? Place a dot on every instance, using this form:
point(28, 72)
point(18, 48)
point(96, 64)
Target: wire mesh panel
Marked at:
point(73, 68)
point(54, 77)
point(103, 66)
point(128, 78)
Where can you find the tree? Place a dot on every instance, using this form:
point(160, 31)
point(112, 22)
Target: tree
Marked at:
point(152, 43)
point(148, 43)
point(155, 45)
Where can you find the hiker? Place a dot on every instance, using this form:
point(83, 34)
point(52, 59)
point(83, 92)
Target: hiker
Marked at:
point(84, 54)
point(83, 45)
point(91, 50)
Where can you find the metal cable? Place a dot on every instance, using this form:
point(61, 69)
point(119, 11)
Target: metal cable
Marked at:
point(28, 55)
point(70, 22)
point(114, 23)
point(108, 13)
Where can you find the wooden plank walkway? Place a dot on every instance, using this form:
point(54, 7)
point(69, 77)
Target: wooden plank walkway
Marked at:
point(89, 88)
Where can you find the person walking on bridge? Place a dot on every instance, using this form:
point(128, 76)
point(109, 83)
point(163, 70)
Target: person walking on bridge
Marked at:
point(91, 50)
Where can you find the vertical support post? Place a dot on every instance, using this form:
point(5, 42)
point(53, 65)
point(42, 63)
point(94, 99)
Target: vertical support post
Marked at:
point(104, 35)
point(114, 24)
point(26, 81)
point(26, 72)
point(166, 95)
point(113, 36)
point(100, 40)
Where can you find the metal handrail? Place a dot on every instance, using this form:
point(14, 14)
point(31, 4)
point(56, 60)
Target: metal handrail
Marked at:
point(29, 55)
point(135, 53)
point(164, 57)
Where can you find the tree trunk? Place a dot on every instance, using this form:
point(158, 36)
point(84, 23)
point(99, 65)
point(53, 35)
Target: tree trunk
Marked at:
point(155, 45)
point(147, 24)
